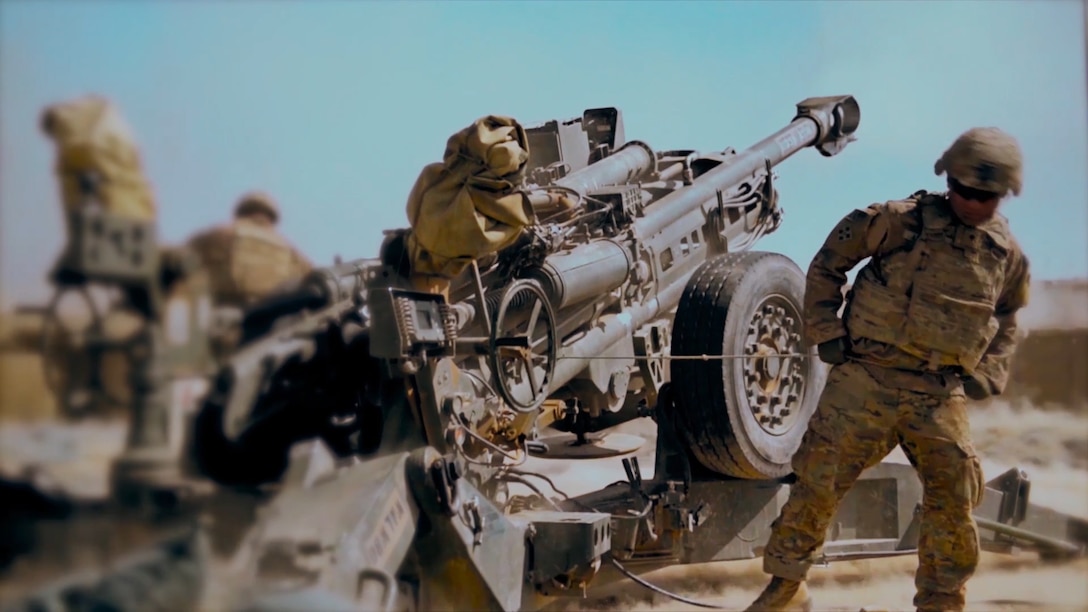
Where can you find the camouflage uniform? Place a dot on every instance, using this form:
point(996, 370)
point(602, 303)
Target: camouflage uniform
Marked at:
point(248, 258)
point(930, 321)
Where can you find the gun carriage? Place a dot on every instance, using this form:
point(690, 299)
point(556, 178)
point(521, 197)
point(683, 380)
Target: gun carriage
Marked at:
point(389, 426)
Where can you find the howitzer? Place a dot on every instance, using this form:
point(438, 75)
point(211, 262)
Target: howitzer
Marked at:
point(402, 420)
point(592, 288)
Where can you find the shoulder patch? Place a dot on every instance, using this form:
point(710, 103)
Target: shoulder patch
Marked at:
point(852, 230)
point(850, 225)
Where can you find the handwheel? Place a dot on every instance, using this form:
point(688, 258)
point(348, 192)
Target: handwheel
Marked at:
point(523, 356)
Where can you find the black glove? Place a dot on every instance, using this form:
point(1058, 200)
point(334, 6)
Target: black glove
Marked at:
point(834, 351)
point(974, 388)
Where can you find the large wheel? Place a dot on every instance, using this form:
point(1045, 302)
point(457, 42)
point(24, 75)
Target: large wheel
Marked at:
point(744, 415)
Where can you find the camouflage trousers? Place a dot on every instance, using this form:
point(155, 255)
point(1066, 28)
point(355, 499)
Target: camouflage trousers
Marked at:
point(857, 423)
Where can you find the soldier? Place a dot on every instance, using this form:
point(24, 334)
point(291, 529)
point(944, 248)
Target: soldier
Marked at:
point(249, 258)
point(929, 322)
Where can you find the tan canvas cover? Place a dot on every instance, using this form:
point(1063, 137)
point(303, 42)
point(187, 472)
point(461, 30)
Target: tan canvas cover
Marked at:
point(91, 137)
point(468, 205)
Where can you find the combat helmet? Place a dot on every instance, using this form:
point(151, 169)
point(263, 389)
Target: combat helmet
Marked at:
point(984, 158)
point(257, 202)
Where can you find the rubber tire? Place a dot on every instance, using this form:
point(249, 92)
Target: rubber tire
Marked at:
point(711, 411)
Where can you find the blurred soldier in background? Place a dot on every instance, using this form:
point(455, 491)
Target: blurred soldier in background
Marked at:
point(930, 321)
point(248, 258)
point(244, 261)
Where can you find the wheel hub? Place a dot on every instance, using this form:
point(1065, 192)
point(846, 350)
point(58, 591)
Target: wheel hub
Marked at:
point(774, 365)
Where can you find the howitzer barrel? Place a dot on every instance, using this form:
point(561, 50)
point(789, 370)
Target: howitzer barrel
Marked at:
point(592, 269)
point(321, 288)
point(612, 328)
point(340, 281)
point(631, 161)
point(600, 266)
point(828, 123)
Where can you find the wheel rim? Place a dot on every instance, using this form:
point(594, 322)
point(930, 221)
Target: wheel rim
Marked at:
point(773, 365)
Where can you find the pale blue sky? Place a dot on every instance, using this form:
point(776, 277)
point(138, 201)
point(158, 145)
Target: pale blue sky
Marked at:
point(335, 107)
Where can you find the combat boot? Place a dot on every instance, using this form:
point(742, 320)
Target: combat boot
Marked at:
point(783, 595)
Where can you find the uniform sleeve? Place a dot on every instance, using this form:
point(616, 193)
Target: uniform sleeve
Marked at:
point(857, 236)
point(993, 370)
point(303, 263)
point(209, 245)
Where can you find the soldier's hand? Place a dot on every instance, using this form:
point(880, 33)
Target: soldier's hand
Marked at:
point(833, 351)
point(974, 388)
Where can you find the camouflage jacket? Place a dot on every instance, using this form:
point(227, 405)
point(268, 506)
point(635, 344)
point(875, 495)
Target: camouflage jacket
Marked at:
point(246, 260)
point(937, 297)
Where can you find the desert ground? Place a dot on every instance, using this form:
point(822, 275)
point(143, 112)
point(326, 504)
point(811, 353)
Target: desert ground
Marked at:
point(1040, 427)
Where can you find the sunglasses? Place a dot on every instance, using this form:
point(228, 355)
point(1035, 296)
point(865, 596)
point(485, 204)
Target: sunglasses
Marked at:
point(970, 193)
